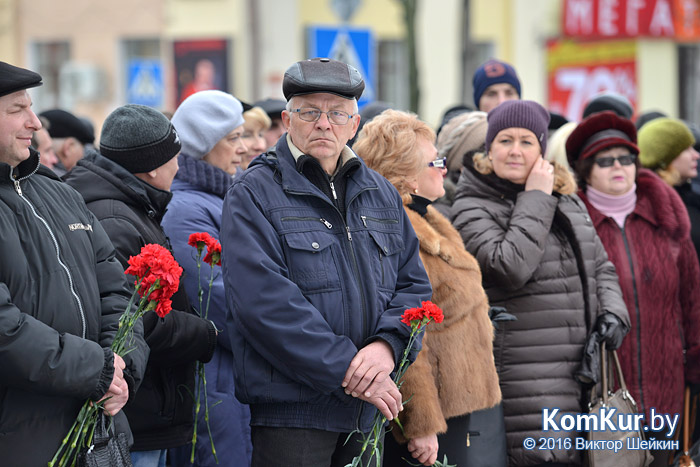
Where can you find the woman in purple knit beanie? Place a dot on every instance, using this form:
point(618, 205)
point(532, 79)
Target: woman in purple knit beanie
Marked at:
point(542, 261)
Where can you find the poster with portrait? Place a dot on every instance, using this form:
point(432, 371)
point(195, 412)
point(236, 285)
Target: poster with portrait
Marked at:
point(200, 64)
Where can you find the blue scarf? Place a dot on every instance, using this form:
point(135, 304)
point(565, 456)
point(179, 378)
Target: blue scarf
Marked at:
point(203, 175)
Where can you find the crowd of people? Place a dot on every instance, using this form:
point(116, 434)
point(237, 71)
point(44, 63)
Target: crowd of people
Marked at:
point(542, 241)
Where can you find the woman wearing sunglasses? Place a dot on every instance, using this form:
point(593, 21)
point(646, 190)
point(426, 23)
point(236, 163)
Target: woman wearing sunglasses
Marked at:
point(644, 227)
point(543, 262)
point(454, 375)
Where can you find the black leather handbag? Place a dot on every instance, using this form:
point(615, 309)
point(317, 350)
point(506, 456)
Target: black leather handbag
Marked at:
point(109, 449)
point(602, 396)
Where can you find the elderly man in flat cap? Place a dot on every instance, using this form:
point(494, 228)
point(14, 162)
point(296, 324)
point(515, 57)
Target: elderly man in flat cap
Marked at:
point(62, 292)
point(320, 261)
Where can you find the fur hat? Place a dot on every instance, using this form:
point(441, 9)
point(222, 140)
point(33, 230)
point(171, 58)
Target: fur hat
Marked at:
point(138, 138)
point(322, 75)
point(493, 72)
point(518, 114)
point(204, 119)
point(662, 140)
point(464, 133)
point(609, 101)
point(598, 132)
point(13, 79)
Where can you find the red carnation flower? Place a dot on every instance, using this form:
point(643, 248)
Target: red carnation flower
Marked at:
point(155, 267)
point(199, 240)
point(213, 257)
point(427, 312)
point(164, 307)
point(432, 311)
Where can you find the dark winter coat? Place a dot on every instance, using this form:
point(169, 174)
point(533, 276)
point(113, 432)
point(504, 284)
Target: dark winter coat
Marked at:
point(307, 287)
point(130, 210)
point(542, 260)
point(454, 374)
point(691, 199)
point(62, 292)
point(660, 281)
point(198, 196)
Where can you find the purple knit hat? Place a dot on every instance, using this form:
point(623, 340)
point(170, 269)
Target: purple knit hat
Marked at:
point(518, 114)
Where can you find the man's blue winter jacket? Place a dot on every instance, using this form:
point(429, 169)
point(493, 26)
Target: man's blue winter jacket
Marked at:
point(306, 288)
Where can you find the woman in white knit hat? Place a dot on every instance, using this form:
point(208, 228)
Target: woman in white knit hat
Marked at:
point(210, 125)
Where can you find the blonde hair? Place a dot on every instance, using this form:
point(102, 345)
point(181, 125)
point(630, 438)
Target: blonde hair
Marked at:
point(259, 116)
point(388, 144)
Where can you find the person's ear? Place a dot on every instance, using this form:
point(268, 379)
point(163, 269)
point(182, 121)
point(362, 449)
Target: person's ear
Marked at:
point(355, 124)
point(286, 119)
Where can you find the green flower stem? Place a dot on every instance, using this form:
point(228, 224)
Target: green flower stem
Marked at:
point(200, 374)
point(206, 416)
point(417, 327)
point(197, 404)
point(82, 431)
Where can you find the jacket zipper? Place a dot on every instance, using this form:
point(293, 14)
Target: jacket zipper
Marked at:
point(356, 269)
point(18, 189)
point(381, 221)
point(321, 219)
point(639, 320)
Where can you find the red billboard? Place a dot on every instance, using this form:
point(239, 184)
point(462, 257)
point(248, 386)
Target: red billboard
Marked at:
point(608, 19)
point(578, 71)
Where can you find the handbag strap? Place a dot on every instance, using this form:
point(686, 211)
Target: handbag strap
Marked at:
point(686, 420)
point(618, 371)
point(605, 384)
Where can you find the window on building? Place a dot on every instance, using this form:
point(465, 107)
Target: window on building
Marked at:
point(689, 86)
point(47, 59)
point(392, 83)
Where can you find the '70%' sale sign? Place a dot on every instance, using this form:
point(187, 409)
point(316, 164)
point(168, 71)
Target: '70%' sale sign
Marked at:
point(577, 72)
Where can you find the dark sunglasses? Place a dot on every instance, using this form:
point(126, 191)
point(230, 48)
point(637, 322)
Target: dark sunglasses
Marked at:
point(609, 161)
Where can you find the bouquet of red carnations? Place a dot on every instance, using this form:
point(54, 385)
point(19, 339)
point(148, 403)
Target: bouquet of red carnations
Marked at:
point(200, 241)
point(157, 279)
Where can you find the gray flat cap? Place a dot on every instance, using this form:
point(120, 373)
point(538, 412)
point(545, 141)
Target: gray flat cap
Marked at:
point(322, 75)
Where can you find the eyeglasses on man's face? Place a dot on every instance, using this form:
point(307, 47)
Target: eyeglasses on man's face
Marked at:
point(309, 114)
point(609, 161)
point(440, 163)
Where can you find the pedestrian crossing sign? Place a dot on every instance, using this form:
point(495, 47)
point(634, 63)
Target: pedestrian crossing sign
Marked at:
point(354, 46)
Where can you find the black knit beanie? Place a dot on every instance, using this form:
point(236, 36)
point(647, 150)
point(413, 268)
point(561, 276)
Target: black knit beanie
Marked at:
point(138, 138)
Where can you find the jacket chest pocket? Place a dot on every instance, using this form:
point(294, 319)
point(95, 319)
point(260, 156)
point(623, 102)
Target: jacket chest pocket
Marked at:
point(311, 261)
point(384, 253)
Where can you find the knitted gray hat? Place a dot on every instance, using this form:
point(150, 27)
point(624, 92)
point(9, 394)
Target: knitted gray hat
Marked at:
point(138, 138)
point(204, 119)
point(518, 114)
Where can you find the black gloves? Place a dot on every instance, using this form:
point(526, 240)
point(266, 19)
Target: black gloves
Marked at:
point(611, 330)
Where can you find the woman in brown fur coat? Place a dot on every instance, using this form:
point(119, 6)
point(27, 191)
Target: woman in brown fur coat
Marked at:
point(454, 374)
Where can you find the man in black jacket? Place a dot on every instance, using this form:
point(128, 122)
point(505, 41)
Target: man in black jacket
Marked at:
point(127, 186)
point(62, 292)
